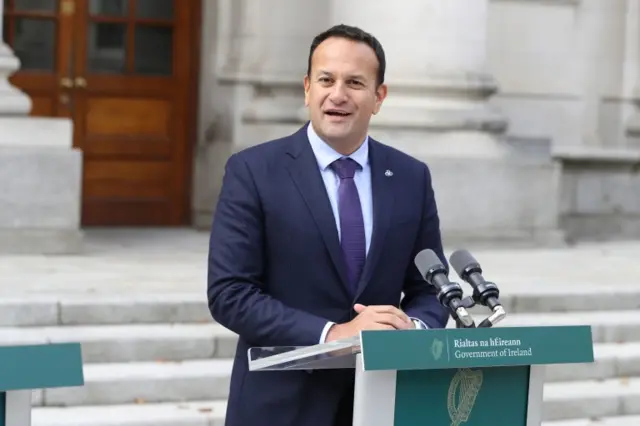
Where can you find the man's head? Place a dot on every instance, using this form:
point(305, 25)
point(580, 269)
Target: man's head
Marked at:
point(344, 85)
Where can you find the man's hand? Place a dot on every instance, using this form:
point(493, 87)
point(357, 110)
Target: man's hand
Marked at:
point(371, 318)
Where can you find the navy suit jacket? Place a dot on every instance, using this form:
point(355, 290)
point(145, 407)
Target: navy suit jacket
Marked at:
point(276, 273)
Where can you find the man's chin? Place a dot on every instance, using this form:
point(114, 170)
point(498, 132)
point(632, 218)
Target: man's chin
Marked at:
point(336, 131)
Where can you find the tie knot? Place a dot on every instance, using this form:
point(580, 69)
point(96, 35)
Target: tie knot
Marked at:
point(345, 167)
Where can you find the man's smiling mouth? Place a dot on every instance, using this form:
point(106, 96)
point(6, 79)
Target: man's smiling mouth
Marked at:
point(337, 113)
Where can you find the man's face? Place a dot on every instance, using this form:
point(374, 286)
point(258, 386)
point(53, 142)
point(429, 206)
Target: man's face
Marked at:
point(341, 92)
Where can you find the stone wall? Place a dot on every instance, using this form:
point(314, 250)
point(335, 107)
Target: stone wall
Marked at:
point(555, 75)
point(600, 194)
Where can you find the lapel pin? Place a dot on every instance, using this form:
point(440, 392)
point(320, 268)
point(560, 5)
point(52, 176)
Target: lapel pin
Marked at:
point(388, 173)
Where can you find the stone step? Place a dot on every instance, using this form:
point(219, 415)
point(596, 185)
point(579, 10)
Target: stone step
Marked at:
point(611, 360)
point(606, 421)
point(126, 343)
point(106, 309)
point(607, 327)
point(567, 299)
point(145, 382)
point(152, 342)
point(592, 399)
point(566, 404)
point(192, 307)
point(164, 414)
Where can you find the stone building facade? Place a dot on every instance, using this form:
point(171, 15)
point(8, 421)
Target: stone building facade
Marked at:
point(525, 110)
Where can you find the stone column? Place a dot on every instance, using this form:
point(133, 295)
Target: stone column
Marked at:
point(438, 111)
point(12, 100)
point(40, 174)
point(435, 71)
point(266, 62)
point(631, 76)
point(258, 83)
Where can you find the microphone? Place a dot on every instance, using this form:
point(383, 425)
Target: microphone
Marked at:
point(485, 293)
point(449, 294)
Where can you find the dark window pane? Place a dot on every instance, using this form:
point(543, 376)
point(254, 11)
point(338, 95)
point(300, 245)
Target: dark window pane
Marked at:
point(154, 50)
point(35, 5)
point(108, 7)
point(106, 47)
point(34, 43)
point(154, 9)
point(5, 30)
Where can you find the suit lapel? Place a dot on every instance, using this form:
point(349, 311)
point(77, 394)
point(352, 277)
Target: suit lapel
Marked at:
point(303, 168)
point(383, 200)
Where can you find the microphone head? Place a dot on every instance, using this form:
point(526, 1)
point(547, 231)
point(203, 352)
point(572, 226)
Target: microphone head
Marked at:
point(428, 263)
point(464, 263)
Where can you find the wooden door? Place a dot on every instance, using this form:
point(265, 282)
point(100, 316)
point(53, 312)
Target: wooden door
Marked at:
point(125, 72)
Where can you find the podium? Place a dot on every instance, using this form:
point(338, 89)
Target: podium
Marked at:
point(26, 368)
point(452, 377)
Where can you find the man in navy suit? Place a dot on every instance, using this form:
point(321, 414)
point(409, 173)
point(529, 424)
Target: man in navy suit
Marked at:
point(314, 237)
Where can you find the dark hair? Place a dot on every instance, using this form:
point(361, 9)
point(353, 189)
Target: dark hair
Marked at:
point(355, 34)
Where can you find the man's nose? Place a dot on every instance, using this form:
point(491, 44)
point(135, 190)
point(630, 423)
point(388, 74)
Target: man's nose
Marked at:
point(338, 94)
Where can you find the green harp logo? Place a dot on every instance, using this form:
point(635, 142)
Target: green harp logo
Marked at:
point(436, 349)
point(463, 390)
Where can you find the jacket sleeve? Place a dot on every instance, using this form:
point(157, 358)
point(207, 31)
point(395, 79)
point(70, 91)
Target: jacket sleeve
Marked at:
point(237, 295)
point(420, 299)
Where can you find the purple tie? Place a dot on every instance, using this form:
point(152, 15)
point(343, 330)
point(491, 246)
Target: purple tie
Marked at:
point(351, 223)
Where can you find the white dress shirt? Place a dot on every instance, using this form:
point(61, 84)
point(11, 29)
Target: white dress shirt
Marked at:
point(325, 155)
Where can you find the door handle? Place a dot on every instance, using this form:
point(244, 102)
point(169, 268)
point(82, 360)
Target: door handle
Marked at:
point(66, 82)
point(80, 82)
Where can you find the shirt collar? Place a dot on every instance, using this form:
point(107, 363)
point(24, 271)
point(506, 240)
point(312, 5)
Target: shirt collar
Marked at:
point(325, 154)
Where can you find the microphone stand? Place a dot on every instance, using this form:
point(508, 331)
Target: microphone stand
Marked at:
point(469, 302)
point(466, 303)
point(486, 294)
point(451, 297)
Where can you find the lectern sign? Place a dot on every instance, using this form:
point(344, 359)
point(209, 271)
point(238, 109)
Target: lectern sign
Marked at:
point(502, 346)
point(462, 377)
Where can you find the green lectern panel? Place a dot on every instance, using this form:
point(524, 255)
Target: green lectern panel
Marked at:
point(40, 366)
point(468, 397)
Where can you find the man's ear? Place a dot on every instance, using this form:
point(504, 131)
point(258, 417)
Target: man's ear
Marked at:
point(307, 86)
point(381, 95)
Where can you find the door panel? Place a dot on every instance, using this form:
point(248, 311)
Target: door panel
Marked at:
point(124, 74)
point(40, 35)
point(129, 129)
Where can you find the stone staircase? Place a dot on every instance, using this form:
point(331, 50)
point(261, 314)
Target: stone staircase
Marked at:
point(161, 361)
